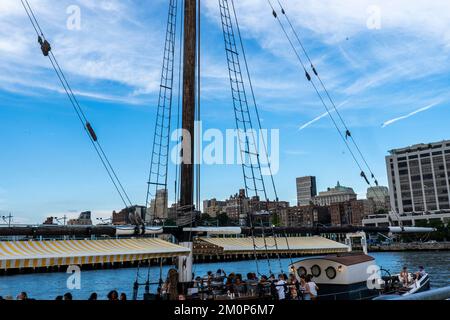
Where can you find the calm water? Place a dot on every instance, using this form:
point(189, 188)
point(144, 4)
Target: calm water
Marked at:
point(48, 286)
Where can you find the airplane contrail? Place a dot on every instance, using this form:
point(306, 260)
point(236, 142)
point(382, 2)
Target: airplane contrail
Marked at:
point(306, 125)
point(389, 122)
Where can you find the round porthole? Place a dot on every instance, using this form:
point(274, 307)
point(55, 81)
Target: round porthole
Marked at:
point(302, 271)
point(316, 271)
point(331, 273)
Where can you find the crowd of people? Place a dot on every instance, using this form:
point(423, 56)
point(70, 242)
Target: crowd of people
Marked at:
point(234, 286)
point(111, 296)
point(220, 285)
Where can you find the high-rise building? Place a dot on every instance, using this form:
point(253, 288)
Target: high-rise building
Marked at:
point(335, 195)
point(305, 216)
point(419, 178)
point(83, 220)
point(379, 198)
point(134, 215)
point(159, 206)
point(306, 190)
point(350, 212)
point(237, 207)
point(214, 207)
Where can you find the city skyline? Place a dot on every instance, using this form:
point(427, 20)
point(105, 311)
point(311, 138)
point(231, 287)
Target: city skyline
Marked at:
point(48, 168)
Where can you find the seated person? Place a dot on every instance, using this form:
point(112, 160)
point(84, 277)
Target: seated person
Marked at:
point(404, 276)
point(420, 274)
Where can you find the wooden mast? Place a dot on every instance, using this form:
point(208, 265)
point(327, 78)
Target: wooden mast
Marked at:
point(189, 87)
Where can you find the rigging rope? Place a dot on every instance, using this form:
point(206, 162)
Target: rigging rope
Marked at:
point(239, 101)
point(158, 176)
point(309, 78)
point(244, 124)
point(263, 141)
point(46, 49)
point(252, 91)
point(322, 100)
point(348, 133)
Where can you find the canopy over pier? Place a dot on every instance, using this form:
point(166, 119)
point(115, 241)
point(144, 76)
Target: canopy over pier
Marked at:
point(292, 245)
point(42, 254)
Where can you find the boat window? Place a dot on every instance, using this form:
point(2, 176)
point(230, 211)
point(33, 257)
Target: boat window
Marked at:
point(302, 271)
point(316, 271)
point(331, 273)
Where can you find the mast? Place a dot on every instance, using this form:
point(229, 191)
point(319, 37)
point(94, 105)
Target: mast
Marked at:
point(189, 67)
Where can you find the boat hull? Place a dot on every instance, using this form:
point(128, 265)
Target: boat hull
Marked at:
point(355, 291)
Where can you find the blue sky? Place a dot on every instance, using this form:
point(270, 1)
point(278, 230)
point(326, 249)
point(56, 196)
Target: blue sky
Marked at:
point(392, 85)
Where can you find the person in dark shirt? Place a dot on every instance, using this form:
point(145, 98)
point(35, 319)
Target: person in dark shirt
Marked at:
point(68, 297)
point(93, 297)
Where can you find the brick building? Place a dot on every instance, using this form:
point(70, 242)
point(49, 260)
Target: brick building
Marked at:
point(350, 212)
point(305, 216)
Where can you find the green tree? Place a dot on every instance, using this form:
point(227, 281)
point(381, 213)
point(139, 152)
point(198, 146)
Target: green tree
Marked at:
point(170, 223)
point(205, 218)
point(276, 220)
point(223, 219)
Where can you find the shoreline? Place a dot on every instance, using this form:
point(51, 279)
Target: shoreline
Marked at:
point(411, 247)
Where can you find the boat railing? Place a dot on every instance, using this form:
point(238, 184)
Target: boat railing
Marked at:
point(346, 294)
point(436, 294)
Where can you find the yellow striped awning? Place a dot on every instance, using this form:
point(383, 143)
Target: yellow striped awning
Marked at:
point(38, 254)
point(300, 245)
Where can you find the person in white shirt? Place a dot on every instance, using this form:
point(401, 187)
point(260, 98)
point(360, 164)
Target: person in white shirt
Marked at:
point(313, 288)
point(281, 283)
point(421, 273)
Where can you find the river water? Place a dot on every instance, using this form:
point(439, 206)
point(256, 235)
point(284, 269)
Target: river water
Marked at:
point(48, 286)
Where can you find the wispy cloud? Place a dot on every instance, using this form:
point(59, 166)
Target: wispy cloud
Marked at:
point(295, 152)
point(117, 45)
point(423, 109)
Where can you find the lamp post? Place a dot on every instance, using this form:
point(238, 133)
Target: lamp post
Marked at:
point(8, 219)
point(63, 219)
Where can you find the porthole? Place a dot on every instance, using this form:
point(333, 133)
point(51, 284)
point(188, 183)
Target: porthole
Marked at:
point(302, 271)
point(316, 271)
point(331, 273)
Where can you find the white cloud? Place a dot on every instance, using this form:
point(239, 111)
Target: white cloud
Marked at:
point(423, 109)
point(332, 22)
point(120, 45)
point(111, 47)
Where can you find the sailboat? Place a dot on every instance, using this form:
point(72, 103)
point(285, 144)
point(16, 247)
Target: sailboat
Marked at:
point(262, 239)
